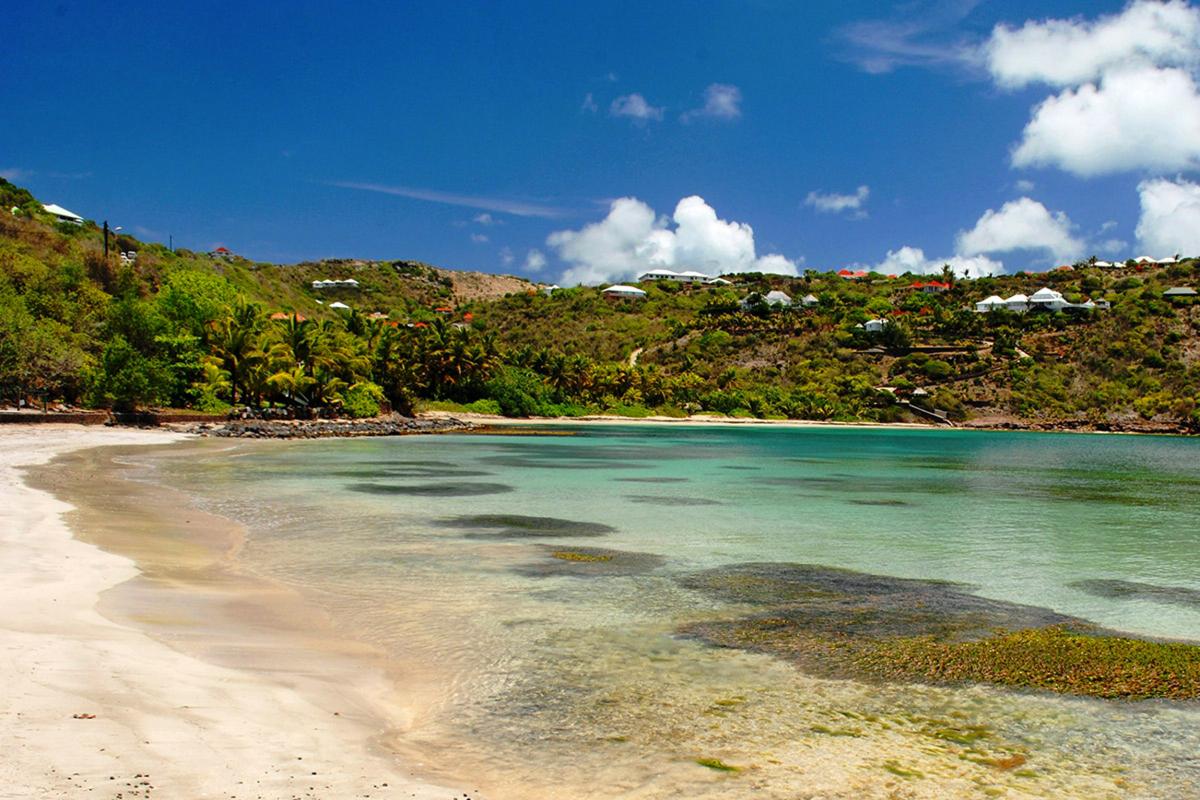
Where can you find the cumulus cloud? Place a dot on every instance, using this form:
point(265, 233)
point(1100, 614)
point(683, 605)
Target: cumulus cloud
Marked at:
point(479, 238)
point(912, 259)
point(632, 239)
point(721, 101)
point(589, 104)
point(1127, 96)
point(535, 261)
point(506, 256)
point(1023, 224)
point(485, 219)
point(1170, 219)
point(1072, 52)
point(1135, 118)
point(1025, 186)
point(635, 107)
point(833, 203)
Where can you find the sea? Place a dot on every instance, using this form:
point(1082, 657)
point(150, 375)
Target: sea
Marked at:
point(547, 583)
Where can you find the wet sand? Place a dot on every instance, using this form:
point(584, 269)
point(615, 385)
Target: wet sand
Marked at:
point(139, 661)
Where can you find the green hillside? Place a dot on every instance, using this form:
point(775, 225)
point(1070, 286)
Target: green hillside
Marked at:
point(194, 330)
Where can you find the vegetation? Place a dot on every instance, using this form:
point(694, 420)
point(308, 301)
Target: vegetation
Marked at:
point(181, 329)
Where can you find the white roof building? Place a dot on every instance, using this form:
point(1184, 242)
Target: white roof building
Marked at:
point(809, 300)
point(551, 289)
point(718, 282)
point(993, 303)
point(339, 305)
point(63, 214)
point(875, 325)
point(621, 290)
point(691, 276)
point(658, 275)
point(1145, 260)
point(1017, 303)
point(1180, 291)
point(777, 298)
point(1048, 299)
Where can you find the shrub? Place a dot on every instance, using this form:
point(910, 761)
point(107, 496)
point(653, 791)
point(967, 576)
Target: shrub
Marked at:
point(362, 400)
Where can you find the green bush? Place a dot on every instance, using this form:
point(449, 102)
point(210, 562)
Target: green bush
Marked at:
point(362, 400)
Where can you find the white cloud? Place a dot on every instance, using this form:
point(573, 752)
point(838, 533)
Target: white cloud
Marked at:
point(918, 33)
point(506, 256)
point(589, 104)
point(16, 174)
point(1025, 186)
point(1170, 220)
point(721, 101)
point(1072, 52)
point(635, 107)
point(632, 239)
point(517, 208)
point(1127, 96)
point(1023, 224)
point(832, 203)
point(485, 219)
point(912, 259)
point(479, 238)
point(1136, 118)
point(535, 261)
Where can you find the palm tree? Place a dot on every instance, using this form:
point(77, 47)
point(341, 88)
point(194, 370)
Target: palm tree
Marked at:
point(235, 341)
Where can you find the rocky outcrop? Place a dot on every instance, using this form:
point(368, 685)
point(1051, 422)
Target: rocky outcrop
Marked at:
point(327, 428)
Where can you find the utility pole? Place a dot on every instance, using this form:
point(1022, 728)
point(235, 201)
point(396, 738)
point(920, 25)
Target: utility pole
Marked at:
point(106, 240)
point(171, 246)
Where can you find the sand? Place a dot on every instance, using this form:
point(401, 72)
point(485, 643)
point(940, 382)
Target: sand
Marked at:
point(95, 708)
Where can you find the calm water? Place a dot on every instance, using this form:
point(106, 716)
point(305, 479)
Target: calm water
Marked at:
point(560, 685)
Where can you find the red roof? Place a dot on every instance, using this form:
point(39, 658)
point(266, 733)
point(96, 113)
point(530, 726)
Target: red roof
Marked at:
point(1064, 268)
point(852, 273)
point(443, 309)
point(468, 316)
point(221, 250)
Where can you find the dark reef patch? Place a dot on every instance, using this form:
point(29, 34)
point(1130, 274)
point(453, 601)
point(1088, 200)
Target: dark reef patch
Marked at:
point(658, 500)
point(518, 526)
point(589, 562)
point(1132, 590)
point(884, 502)
point(838, 623)
point(443, 489)
point(649, 479)
point(376, 473)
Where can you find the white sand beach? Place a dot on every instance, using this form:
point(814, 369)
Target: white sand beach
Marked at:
point(93, 708)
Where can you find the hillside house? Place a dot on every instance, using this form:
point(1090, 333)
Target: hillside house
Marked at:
point(63, 215)
point(1176, 292)
point(809, 300)
point(621, 291)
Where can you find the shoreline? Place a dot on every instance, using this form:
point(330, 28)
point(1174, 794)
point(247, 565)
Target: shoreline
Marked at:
point(106, 695)
point(489, 420)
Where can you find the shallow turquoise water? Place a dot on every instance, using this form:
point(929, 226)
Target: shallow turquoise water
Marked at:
point(566, 671)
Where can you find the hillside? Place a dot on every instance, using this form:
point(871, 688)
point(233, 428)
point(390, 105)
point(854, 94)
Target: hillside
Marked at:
point(206, 331)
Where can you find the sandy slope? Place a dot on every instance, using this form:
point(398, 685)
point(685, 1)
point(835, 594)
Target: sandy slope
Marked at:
point(166, 724)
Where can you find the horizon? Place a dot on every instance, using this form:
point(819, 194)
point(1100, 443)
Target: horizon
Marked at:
point(695, 150)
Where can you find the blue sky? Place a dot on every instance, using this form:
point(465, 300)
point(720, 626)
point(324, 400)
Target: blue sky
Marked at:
point(385, 130)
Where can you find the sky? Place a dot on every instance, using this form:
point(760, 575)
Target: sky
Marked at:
point(575, 142)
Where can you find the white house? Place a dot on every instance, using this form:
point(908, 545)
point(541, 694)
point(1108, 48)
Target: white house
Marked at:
point(1180, 291)
point(718, 282)
point(691, 276)
point(777, 298)
point(548, 290)
point(62, 215)
point(993, 303)
point(875, 325)
point(658, 275)
point(809, 300)
point(339, 305)
point(1018, 303)
point(621, 290)
point(1048, 299)
point(1145, 260)
point(1166, 261)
